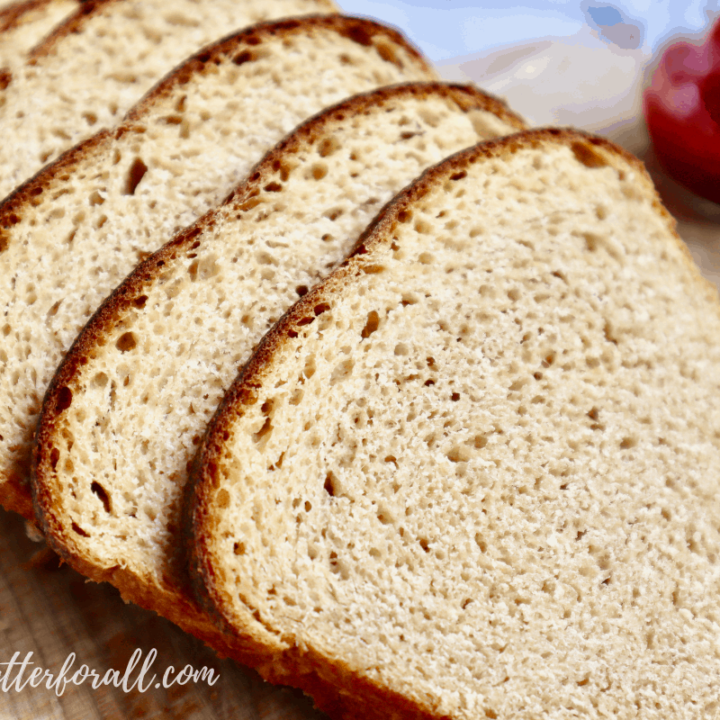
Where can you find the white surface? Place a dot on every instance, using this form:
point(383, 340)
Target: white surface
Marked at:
point(447, 29)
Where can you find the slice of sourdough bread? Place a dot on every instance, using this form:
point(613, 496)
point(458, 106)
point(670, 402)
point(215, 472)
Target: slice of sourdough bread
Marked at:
point(100, 62)
point(129, 404)
point(71, 234)
point(25, 24)
point(476, 472)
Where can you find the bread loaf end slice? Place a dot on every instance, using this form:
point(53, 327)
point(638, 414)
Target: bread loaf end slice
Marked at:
point(475, 472)
point(128, 406)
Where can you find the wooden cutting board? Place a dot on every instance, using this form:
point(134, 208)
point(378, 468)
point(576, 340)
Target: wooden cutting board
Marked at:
point(52, 611)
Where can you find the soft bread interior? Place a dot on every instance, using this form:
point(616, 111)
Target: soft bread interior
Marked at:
point(479, 466)
point(89, 75)
point(131, 401)
point(74, 232)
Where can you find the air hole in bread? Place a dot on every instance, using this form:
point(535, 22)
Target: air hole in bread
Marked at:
point(334, 213)
point(76, 528)
point(328, 146)
point(100, 380)
point(245, 56)
point(273, 187)
point(372, 324)
point(135, 174)
point(223, 498)
point(342, 371)
point(458, 175)
point(96, 198)
point(373, 269)
point(628, 443)
point(264, 431)
point(319, 171)
point(54, 457)
point(387, 53)
point(423, 227)
point(64, 399)
point(100, 491)
point(126, 342)
point(587, 155)
point(301, 290)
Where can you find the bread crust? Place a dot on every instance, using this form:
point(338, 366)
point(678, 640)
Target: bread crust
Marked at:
point(16, 495)
point(259, 649)
point(347, 695)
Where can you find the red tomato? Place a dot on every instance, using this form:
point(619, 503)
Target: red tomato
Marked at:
point(682, 109)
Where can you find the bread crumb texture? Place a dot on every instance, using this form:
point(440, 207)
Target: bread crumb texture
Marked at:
point(89, 77)
point(479, 466)
point(73, 233)
point(133, 406)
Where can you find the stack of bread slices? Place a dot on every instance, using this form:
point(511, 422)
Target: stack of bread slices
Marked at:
point(351, 375)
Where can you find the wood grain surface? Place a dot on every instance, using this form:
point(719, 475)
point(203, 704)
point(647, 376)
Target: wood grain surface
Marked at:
point(52, 611)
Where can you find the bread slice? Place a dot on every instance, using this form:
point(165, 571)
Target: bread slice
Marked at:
point(128, 406)
point(23, 25)
point(100, 62)
point(474, 474)
point(71, 234)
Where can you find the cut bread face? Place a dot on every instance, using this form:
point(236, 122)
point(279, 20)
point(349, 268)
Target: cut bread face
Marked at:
point(100, 62)
point(73, 233)
point(125, 412)
point(475, 472)
point(25, 24)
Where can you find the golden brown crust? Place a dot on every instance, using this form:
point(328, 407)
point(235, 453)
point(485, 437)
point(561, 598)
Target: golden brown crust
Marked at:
point(349, 696)
point(362, 31)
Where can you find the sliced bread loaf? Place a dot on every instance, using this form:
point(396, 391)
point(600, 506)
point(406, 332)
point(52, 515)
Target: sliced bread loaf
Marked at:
point(25, 24)
point(72, 233)
point(128, 406)
point(476, 472)
point(100, 62)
